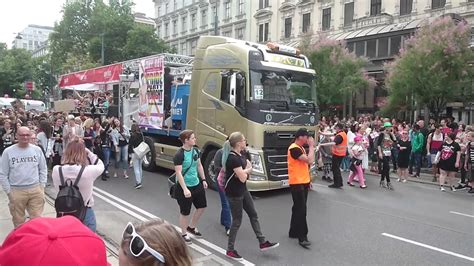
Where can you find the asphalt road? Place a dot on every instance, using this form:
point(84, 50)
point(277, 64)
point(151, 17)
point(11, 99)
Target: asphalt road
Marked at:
point(415, 224)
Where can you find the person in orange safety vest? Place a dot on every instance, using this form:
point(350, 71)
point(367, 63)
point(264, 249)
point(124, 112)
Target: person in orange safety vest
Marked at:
point(339, 151)
point(299, 180)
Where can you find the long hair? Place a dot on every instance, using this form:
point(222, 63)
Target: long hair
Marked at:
point(88, 123)
point(135, 129)
point(75, 153)
point(45, 127)
point(162, 237)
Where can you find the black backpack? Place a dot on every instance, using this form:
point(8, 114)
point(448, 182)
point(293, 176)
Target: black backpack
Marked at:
point(69, 200)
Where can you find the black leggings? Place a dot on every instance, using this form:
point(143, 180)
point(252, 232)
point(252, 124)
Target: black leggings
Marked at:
point(385, 169)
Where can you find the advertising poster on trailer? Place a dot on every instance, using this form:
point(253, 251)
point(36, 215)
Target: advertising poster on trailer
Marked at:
point(151, 93)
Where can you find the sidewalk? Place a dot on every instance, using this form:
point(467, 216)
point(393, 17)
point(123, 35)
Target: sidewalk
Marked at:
point(6, 225)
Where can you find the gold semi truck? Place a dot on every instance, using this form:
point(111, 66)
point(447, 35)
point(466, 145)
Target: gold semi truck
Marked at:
point(266, 92)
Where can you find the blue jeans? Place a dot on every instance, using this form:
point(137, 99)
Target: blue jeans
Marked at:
point(226, 219)
point(137, 168)
point(121, 157)
point(346, 161)
point(415, 159)
point(89, 220)
point(106, 155)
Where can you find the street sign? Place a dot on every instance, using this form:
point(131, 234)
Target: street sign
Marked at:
point(29, 85)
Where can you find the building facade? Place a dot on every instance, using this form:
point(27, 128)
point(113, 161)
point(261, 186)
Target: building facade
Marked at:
point(375, 29)
point(32, 37)
point(142, 19)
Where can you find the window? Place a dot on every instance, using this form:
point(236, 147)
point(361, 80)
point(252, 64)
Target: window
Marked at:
point(437, 4)
point(167, 8)
point(348, 14)
point(204, 17)
point(395, 43)
point(158, 31)
point(225, 89)
point(350, 46)
point(288, 27)
point(306, 22)
point(175, 5)
point(183, 24)
point(241, 7)
point(383, 47)
point(175, 26)
point(360, 48)
point(371, 48)
point(239, 33)
point(263, 32)
point(263, 4)
point(167, 29)
point(405, 7)
point(326, 19)
point(375, 7)
point(227, 10)
point(227, 33)
point(184, 48)
point(193, 46)
point(193, 21)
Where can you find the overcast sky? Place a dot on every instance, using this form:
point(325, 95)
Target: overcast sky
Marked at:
point(15, 15)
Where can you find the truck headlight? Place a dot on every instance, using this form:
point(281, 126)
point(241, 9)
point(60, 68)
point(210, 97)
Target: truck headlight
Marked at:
point(257, 164)
point(257, 178)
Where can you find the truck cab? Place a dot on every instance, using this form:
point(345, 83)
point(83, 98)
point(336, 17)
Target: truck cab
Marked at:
point(264, 91)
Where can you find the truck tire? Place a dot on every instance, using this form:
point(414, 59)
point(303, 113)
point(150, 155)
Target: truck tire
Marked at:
point(149, 161)
point(209, 170)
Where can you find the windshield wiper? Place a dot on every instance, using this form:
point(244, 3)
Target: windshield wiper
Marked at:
point(276, 104)
point(306, 106)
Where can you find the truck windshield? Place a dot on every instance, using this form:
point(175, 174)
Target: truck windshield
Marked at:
point(289, 88)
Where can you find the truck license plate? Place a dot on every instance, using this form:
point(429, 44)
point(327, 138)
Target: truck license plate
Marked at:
point(284, 183)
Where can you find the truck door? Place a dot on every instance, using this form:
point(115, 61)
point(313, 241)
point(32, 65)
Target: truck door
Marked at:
point(232, 96)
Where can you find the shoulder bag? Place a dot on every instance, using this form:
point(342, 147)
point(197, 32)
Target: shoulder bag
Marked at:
point(142, 149)
point(172, 182)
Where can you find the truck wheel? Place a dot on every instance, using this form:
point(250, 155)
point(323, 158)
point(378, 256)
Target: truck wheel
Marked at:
point(209, 170)
point(149, 161)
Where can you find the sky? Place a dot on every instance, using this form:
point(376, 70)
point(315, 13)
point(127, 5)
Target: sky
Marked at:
point(15, 15)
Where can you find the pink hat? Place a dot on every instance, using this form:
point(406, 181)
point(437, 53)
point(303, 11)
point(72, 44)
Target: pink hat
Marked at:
point(358, 138)
point(53, 241)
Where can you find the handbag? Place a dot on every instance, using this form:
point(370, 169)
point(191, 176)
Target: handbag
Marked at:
point(172, 181)
point(141, 150)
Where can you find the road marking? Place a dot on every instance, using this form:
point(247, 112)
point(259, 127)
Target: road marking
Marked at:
point(429, 247)
point(150, 215)
point(462, 214)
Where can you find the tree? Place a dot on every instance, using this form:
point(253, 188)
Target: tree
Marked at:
point(15, 68)
point(433, 67)
point(85, 26)
point(142, 41)
point(339, 73)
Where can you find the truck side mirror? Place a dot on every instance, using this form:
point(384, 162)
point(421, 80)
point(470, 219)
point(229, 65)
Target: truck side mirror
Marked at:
point(233, 90)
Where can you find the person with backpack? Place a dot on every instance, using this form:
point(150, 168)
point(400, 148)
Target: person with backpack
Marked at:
point(226, 218)
point(23, 174)
point(237, 171)
point(190, 184)
point(74, 180)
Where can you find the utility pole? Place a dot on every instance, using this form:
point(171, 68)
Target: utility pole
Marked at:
point(102, 50)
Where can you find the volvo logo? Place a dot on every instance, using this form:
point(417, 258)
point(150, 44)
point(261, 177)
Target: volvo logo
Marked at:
point(311, 119)
point(268, 117)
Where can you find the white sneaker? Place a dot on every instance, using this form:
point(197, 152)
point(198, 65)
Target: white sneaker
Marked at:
point(453, 189)
point(442, 189)
point(399, 179)
point(404, 181)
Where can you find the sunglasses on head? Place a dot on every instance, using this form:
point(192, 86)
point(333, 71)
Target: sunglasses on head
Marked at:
point(138, 244)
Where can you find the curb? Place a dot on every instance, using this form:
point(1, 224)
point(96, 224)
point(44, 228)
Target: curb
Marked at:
point(414, 180)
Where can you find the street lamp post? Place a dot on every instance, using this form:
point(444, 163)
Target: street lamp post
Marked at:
point(102, 59)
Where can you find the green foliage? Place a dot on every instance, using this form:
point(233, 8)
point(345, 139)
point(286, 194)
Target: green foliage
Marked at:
point(433, 67)
point(77, 41)
point(16, 67)
point(338, 72)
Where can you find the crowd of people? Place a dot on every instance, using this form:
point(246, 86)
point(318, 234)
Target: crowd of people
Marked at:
point(375, 143)
point(79, 148)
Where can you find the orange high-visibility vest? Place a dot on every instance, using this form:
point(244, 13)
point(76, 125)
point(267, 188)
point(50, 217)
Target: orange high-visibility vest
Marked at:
point(340, 149)
point(298, 171)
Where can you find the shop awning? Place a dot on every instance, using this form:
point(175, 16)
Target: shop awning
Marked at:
point(99, 75)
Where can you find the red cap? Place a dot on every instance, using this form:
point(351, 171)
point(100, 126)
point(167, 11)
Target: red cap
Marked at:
point(53, 241)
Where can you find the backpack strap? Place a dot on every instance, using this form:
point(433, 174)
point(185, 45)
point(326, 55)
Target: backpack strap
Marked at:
point(79, 175)
point(61, 176)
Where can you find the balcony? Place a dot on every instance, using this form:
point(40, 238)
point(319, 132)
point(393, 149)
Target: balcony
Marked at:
point(382, 19)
